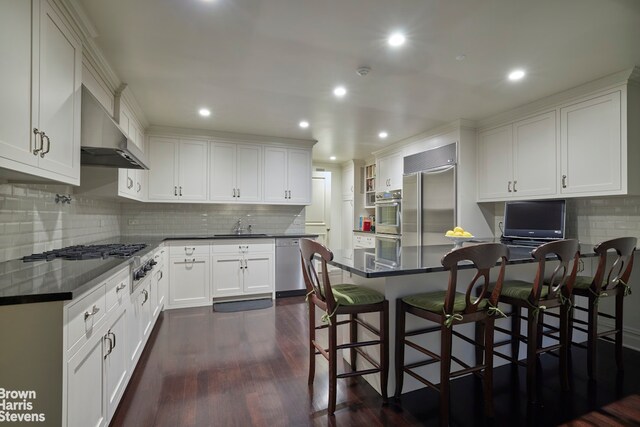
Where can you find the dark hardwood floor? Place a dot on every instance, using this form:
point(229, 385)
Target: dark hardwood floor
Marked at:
point(205, 368)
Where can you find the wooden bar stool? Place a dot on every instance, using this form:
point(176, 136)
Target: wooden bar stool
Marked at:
point(539, 297)
point(343, 299)
point(449, 308)
point(611, 281)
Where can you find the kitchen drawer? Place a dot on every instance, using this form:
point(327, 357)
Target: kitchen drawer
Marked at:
point(159, 256)
point(84, 316)
point(187, 249)
point(117, 289)
point(243, 247)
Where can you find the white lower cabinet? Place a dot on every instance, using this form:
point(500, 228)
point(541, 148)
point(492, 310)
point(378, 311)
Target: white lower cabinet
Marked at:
point(189, 281)
point(85, 403)
point(116, 365)
point(242, 269)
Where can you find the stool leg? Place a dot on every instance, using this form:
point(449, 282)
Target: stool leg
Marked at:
point(515, 332)
point(400, 320)
point(540, 329)
point(564, 350)
point(312, 338)
point(572, 313)
point(445, 372)
point(480, 337)
point(592, 337)
point(333, 366)
point(384, 348)
point(619, 305)
point(488, 370)
point(353, 337)
point(532, 344)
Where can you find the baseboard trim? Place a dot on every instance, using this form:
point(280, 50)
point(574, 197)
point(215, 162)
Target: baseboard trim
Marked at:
point(630, 336)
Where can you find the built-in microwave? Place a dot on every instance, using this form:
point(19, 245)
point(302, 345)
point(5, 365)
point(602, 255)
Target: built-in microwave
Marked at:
point(389, 212)
point(388, 248)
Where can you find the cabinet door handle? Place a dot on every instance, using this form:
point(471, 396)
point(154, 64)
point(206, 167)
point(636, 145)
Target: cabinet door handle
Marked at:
point(93, 312)
point(181, 191)
point(120, 287)
point(238, 193)
point(509, 187)
point(515, 190)
point(37, 133)
point(161, 275)
point(289, 193)
point(129, 183)
point(175, 190)
point(114, 339)
point(234, 192)
point(285, 194)
point(44, 136)
point(146, 296)
point(139, 187)
point(106, 338)
point(564, 181)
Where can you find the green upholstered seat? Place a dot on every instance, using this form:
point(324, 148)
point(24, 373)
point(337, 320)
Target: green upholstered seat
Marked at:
point(521, 289)
point(355, 295)
point(583, 282)
point(434, 301)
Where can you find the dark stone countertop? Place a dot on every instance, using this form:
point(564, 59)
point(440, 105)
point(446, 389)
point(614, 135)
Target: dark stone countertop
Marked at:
point(60, 280)
point(421, 259)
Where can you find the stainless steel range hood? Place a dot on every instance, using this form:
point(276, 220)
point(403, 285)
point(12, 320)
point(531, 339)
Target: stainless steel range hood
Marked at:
point(102, 141)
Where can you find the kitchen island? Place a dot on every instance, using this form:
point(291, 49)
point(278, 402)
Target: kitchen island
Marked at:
point(418, 269)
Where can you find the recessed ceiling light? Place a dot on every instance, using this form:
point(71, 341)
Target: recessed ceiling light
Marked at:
point(304, 124)
point(396, 39)
point(204, 112)
point(383, 135)
point(332, 158)
point(340, 91)
point(516, 75)
point(461, 57)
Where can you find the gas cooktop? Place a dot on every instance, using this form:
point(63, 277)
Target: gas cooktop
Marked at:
point(81, 252)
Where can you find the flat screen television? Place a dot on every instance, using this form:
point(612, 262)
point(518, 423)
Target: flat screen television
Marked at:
point(537, 220)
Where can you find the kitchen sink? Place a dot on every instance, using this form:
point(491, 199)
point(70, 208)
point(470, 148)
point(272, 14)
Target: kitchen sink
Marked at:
point(240, 235)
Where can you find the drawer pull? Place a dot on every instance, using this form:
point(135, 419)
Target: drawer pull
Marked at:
point(114, 339)
point(93, 312)
point(120, 287)
point(146, 296)
point(106, 338)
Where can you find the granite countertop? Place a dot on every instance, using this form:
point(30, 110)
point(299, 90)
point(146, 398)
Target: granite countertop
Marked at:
point(60, 280)
point(421, 259)
point(241, 236)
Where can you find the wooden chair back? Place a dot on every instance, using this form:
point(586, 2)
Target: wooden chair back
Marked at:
point(322, 290)
point(562, 278)
point(483, 257)
point(620, 270)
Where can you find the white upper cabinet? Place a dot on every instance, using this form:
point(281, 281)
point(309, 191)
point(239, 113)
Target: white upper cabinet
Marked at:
point(591, 145)
point(348, 181)
point(518, 160)
point(192, 170)
point(178, 169)
point(389, 172)
point(495, 167)
point(163, 163)
point(40, 123)
point(235, 171)
point(287, 176)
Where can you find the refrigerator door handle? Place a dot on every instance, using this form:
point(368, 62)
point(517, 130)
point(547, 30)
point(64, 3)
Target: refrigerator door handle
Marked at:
point(440, 169)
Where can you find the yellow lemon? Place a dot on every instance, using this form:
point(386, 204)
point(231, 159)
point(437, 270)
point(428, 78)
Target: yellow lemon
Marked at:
point(466, 234)
point(457, 233)
point(449, 233)
point(458, 229)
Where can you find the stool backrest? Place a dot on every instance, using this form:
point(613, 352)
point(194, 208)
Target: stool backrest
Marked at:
point(322, 290)
point(620, 270)
point(483, 257)
point(562, 279)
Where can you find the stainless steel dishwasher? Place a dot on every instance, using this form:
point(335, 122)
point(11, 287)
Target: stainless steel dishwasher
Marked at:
point(289, 281)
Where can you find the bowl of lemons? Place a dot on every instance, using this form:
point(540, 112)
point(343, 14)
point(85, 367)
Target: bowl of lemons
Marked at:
point(458, 235)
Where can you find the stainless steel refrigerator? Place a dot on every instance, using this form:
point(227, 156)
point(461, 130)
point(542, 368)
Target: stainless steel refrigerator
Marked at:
point(429, 196)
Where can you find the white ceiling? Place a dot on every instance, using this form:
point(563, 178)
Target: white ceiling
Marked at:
point(263, 65)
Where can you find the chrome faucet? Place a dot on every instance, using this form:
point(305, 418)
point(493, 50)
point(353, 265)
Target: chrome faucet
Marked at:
point(238, 227)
